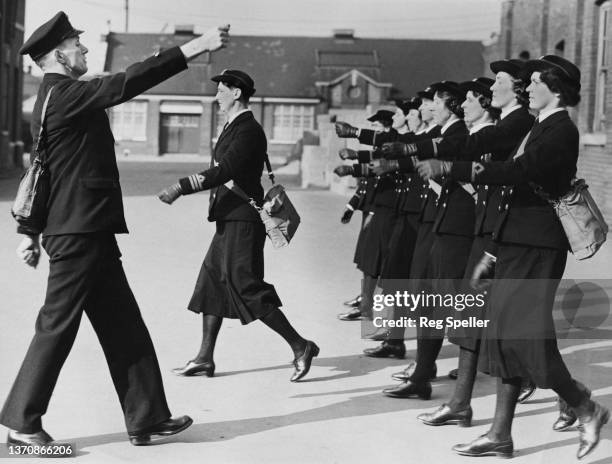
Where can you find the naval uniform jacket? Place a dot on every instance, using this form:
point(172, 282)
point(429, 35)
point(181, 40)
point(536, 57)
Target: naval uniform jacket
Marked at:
point(491, 143)
point(384, 187)
point(238, 159)
point(85, 195)
point(549, 160)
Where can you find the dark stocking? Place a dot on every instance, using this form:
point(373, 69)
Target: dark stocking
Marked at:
point(468, 363)
point(210, 329)
point(428, 350)
point(507, 394)
point(277, 321)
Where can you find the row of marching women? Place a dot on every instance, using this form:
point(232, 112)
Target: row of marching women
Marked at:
point(455, 192)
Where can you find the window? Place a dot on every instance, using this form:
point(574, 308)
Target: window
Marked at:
point(130, 121)
point(290, 122)
point(602, 68)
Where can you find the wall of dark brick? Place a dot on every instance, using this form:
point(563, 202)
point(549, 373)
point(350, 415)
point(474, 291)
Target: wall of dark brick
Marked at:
point(537, 26)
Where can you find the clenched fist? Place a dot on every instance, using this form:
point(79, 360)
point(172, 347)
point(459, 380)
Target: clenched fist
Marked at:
point(383, 166)
point(346, 216)
point(345, 130)
point(210, 41)
point(29, 250)
point(433, 169)
point(343, 171)
point(394, 150)
point(347, 154)
point(170, 194)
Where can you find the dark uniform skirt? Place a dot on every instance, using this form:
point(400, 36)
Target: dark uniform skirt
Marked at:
point(520, 339)
point(449, 256)
point(376, 236)
point(469, 338)
point(360, 240)
point(401, 247)
point(230, 283)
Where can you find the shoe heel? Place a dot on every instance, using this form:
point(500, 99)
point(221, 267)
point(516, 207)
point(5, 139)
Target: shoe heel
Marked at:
point(465, 422)
point(425, 395)
point(315, 351)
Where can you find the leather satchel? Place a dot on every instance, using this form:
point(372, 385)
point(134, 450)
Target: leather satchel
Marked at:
point(30, 205)
point(277, 213)
point(582, 221)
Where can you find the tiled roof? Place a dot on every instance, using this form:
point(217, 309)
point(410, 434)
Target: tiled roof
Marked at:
point(290, 66)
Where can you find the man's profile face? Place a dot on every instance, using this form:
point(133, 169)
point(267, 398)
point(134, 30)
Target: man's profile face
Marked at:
point(73, 52)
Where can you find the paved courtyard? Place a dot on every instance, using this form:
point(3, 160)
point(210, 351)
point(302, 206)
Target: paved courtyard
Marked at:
point(250, 412)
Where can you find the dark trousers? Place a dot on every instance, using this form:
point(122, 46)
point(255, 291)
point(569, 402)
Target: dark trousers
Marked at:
point(86, 274)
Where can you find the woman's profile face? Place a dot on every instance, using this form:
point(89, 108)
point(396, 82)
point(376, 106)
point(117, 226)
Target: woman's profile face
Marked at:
point(503, 90)
point(540, 96)
point(398, 119)
point(472, 108)
point(441, 113)
point(426, 110)
point(413, 118)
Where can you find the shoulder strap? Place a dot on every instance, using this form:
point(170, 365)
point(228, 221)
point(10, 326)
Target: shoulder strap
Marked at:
point(269, 168)
point(43, 117)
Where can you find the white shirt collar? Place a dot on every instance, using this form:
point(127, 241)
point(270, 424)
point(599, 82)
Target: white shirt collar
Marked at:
point(453, 119)
point(477, 127)
point(235, 115)
point(506, 112)
point(428, 129)
point(544, 114)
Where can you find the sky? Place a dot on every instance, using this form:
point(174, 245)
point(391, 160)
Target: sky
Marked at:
point(423, 19)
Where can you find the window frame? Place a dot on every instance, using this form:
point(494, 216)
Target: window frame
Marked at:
point(130, 133)
point(306, 111)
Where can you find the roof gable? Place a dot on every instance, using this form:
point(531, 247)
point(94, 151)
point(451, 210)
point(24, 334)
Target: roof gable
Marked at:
point(290, 66)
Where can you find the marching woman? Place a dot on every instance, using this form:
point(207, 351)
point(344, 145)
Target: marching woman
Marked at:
point(451, 216)
point(378, 223)
point(416, 198)
point(364, 194)
point(530, 257)
point(230, 283)
point(485, 143)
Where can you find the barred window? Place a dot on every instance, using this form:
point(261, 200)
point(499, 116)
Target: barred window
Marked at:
point(290, 122)
point(130, 121)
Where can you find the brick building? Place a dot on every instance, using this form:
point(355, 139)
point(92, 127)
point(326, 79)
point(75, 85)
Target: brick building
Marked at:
point(12, 13)
point(297, 80)
point(579, 30)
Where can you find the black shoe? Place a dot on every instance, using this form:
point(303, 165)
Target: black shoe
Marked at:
point(589, 430)
point(163, 429)
point(377, 336)
point(444, 415)
point(353, 315)
point(483, 446)
point(453, 374)
point(386, 350)
point(193, 368)
point(527, 392)
point(409, 390)
point(354, 303)
point(407, 373)
point(302, 364)
point(567, 417)
point(28, 439)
